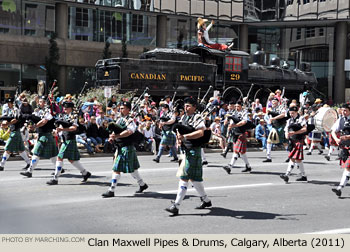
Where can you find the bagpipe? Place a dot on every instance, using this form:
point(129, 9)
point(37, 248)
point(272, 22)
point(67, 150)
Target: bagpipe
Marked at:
point(296, 127)
point(344, 145)
point(191, 127)
point(201, 106)
point(242, 129)
point(345, 131)
point(137, 137)
point(278, 122)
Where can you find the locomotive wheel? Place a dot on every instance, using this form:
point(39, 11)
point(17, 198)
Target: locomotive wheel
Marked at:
point(262, 94)
point(232, 94)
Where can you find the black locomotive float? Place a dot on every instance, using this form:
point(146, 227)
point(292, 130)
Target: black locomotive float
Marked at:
point(165, 71)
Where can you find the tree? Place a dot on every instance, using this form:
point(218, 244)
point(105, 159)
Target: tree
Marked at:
point(124, 48)
point(51, 62)
point(106, 51)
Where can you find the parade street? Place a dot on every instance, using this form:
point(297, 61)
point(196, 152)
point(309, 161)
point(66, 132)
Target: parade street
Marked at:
point(259, 202)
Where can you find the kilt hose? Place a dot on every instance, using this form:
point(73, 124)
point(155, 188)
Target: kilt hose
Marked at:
point(240, 145)
point(15, 142)
point(193, 165)
point(297, 152)
point(69, 150)
point(168, 138)
point(126, 161)
point(46, 146)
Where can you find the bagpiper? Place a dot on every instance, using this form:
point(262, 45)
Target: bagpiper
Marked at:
point(240, 143)
point(276, 120)
point(126, 159)
point(295, 130)
point(191, 166)
point(46, 146)
point(68, 128)
point(15, 142)
point(342, 126)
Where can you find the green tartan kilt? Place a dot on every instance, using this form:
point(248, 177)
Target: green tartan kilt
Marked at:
point(193, 165)
point(281, 136)
point(69, 150)
point(126, 160)
point(168, 138)
point(15, 142)
point(46, 146)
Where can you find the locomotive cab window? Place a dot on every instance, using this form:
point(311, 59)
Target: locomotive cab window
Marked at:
point(233, 64)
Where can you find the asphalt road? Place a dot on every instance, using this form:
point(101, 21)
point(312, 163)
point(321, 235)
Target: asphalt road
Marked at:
point(259, 202)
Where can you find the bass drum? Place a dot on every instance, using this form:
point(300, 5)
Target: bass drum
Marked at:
point(325, 118)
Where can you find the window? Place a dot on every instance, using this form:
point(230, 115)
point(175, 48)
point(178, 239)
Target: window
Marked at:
point(306, 1)
point(82, 17)
point(4, 30)
point(309, 32)
point(233, 64)
point(321, 32)
point(289, 2)
point(137, 23)
point(298, 34)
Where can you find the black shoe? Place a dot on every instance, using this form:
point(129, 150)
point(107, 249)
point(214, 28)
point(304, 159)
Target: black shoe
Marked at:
point(204, 205)
point(204, 162)
point(268, 160)
point(223, 154)
point(328, 158)
point(108, 194)
point(27, 174)
point(174, 160)
point(302, 178)
point(320, 152)
point(52, 182)
point(247, 169)
point(1, 168)
point(86, 177)
point(62, 171)
point(287, 160)
point(156, 160)
point(172, 209)
point(227, 169)
point(142, 188)
point(337, 192)
point(309, 153)
point(25, 168)
point(285, 178)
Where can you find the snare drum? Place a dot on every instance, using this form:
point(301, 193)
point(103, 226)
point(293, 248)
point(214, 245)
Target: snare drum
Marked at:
point(325, 118)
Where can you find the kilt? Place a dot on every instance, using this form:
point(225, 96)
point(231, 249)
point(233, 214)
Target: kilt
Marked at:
point(281, 134)
point(315, 136)
point(297, 151)
point(46, 146)
point(15, 142)
point(240, 145)
point(331, 139)
point(126, 161)
point(69, 150)
point(168, 138)
point(345, 164)
point(193, 165)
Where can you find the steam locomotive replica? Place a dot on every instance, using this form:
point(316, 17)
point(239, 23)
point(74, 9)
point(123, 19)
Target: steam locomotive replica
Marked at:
point(188, 73)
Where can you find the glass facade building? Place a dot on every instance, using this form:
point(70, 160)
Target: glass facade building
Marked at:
point(314, 31)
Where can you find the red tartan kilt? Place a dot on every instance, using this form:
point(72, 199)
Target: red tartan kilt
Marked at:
point(240, 145)
point(331, 139)
point(345, 164)
point(297, 152)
